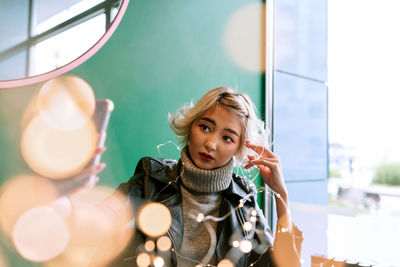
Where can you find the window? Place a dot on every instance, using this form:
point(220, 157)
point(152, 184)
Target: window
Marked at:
point(44, 35)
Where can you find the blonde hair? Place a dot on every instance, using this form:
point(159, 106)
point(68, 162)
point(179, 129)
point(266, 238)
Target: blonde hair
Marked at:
point(241, 104)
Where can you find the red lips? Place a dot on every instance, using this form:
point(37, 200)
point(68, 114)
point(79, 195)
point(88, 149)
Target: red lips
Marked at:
point(205, 156)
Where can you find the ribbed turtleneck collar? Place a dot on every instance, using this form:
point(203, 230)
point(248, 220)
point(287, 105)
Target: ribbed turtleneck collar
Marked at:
point(202, 180)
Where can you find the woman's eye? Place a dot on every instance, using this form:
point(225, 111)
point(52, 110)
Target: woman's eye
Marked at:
point(228, 139)
point(204, 128)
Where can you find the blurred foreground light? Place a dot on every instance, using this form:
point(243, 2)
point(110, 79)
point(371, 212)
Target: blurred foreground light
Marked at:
point(154, 219)
point(57, 153)
point(20, 194)
point(149, 245)
point(103, 215)
point(72, 256)
point(143, 260)
point(225, 263)
point(247, 226)
point(245, 37)
point(245, 246)
point(158, 262)
point(66, 102)
point(164, 243)
point(40, 234)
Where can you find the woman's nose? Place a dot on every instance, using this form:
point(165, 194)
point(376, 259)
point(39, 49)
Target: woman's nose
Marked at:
point(211, 143)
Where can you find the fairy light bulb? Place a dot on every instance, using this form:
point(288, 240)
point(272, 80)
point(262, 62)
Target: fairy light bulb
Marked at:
point(158, 262)
point(154, 219)
point(164, 243)
point(200, 217)
point(245, 246)
point(143, 260)
point(149, 245)
point(247, 226)
point(253, 219)
point(235, 244)
point(225, 263)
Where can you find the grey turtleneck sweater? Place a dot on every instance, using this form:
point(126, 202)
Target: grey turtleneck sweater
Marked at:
point(201, 193)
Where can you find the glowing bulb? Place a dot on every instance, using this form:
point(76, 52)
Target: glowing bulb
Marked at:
point(200, 217)
point(66, 102)
point(225, 263)
point(149, 245)
point(240, 205)
point(242, 37)
point(58, 153)
point(247, 226)
point(20, 194)
point(158, 262)
point(235, 244)
point(154, 219)
point(253, 213)
point(164, 243)
point(278, 195)
point(253, 219)
point(245, 246)
point(40, 234)
point(143, 260)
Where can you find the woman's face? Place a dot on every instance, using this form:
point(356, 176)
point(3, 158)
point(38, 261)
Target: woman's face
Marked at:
point(215, 138)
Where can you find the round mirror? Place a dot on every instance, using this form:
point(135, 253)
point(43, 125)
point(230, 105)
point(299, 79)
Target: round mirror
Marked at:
point(45, 38)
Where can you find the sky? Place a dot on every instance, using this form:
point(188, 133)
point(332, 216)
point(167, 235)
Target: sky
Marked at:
point(363, 76)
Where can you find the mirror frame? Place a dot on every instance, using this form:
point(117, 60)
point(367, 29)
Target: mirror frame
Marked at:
point(73, 64)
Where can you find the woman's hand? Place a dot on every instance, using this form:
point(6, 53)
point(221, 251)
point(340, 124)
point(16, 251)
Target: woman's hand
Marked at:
point(270, 168)
point(85, 180)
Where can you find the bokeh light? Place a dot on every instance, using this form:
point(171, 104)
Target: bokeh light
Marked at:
point(103, 215)
point(154, 219)
point(66, 102)
point(20, 194)
point(245, 246)
point(244, 37)
point(247, 226)
point(56, 153)
point(149, 245)
point(225, 263)
point(164, 243)
point(40, 234)
point(143, 260)
point(158, 262)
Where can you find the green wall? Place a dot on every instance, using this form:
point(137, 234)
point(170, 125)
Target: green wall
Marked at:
point(162, 55)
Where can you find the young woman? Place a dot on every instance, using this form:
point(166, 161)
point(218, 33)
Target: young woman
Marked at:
point(217, 130)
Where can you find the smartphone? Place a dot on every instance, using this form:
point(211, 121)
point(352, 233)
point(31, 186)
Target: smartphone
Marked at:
point(101, 117)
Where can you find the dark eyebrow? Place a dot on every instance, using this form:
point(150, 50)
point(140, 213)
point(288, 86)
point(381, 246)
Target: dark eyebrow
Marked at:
point(225, 129)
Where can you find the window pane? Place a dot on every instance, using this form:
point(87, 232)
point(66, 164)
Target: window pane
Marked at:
point(13, 67)
point(50, 13)
point(13, 22)
point(66, 46)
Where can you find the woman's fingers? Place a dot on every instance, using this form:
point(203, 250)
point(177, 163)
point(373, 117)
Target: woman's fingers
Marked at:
point(261, 150)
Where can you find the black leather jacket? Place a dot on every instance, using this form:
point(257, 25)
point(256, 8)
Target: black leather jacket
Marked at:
point(157, 180)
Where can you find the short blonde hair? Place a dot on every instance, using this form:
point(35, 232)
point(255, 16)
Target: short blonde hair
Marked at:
point(241, 104)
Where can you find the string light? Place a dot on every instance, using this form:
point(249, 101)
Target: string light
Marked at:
point(143, 260)
point(200, 217)
point(247, 226)
point(158, 262)
point(149, 245)
point(245, 245)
